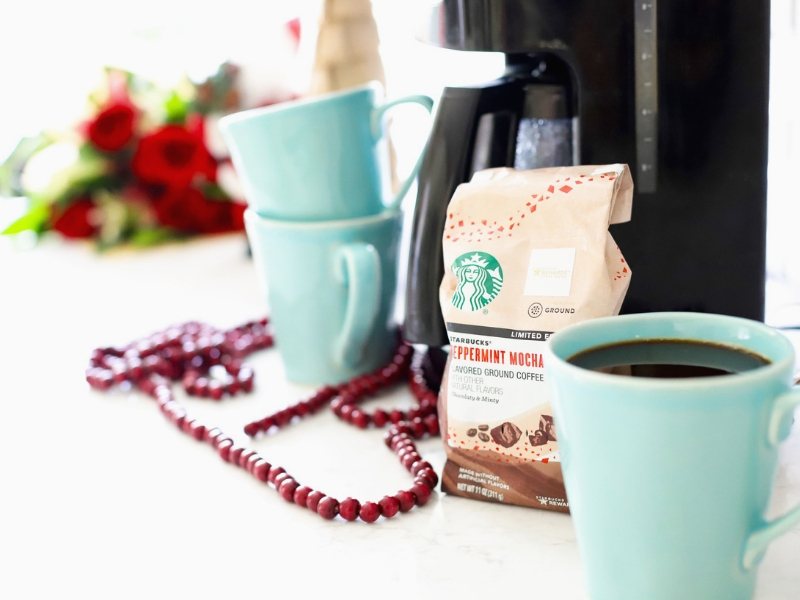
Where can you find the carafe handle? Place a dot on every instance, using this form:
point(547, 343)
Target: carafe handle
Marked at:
point(358, 266)
point(779, 427)
point(378, 131)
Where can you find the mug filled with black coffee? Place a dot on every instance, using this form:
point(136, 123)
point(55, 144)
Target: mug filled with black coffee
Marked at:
point(668, 427)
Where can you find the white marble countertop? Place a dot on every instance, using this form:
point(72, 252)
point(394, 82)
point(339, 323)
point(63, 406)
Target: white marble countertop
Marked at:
point(103, 498)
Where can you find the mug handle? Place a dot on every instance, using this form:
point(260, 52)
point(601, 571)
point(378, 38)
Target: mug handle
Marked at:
point(377, 133)
point(779, 426)
point(358, 266)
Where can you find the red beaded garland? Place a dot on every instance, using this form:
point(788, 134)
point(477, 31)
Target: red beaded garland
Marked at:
point(189, 354)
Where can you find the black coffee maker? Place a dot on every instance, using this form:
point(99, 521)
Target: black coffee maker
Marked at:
point(678, 90)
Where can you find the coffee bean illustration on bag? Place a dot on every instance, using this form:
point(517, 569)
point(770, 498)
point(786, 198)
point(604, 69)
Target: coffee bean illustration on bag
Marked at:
point(526, 253)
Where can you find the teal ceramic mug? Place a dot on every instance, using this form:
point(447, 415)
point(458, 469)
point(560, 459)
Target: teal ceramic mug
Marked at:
point(668, 480)
point(331, 288)
point(318, 158)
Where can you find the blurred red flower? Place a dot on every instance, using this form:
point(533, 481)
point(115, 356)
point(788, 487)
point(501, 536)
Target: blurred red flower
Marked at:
point(112, 128)
point(75, 221)
point(189, 211)
point(173, 156)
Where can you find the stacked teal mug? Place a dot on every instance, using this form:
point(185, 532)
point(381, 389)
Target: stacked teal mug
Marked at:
point(324, 240)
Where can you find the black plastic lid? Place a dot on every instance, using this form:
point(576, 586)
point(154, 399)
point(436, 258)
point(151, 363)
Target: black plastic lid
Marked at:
point(509, 26)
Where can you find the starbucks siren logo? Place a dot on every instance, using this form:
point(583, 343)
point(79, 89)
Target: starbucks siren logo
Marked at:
point(480, 279)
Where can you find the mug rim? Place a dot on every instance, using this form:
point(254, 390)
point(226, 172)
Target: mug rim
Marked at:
point(251, 113)
point(766, 372)
point(251, 216)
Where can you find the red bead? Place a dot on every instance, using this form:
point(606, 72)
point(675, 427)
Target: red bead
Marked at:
point(274, 472)
point(424, 481)
point(134, 367)
point(251, 429)
point(104, 379)
point(215, 389)
point(301, 495)
point(369, 512)
point(261, 470)
point(360, 419)
point(313, 500)
point(348, 509)
point(402, 428)
point(406, 500)
point(224, 449)
point(301, 409)
point(211, 434)
point(252, 462)
point(283, 417)
point(399, 440)
point(279, 479)
point(266, 423)
point(352, 389)
point(198, 430)
point(388, 436)
point(328, 392)
point(119, 373)
point(405, 449)
point(418, 428)
point(220, 439)
point(380, 417)
point(200, 387)
point(287, 489)
point(244, 457)
point(235, 453)
point(390, 506)
point(346, 411)
point(421, 493)
point(419, 466)
point(232, 366)
point(245, 378)
point(409, 459)
point(338, 404)
point(432, 424)
point(396, 416)
point(328, 507)
point(190, 378)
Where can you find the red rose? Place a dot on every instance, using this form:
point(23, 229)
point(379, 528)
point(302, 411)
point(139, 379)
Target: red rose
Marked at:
point(112, 128)
point(75, 220)
point(189, 211)
point(172, 156)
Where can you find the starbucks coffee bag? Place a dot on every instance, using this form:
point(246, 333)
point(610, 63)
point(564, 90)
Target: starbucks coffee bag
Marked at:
point(526, 253)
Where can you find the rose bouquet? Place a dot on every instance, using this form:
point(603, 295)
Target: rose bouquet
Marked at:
point(139, 168)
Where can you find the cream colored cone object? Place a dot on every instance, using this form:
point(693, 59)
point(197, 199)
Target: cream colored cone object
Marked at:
point(346, 53)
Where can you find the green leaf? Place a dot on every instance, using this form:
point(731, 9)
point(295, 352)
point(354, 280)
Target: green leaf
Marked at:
point(90, 173)
point(151, 237)
point(33, 220)
point(212, 191)
point(11, 168)
point(176, 109)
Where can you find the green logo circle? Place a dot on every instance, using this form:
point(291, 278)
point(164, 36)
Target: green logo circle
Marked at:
point(480, 279)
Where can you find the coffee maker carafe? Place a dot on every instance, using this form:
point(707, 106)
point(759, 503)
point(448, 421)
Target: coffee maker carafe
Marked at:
point(676, 90)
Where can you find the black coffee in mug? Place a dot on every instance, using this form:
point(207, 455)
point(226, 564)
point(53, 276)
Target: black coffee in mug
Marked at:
point(668, 358)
